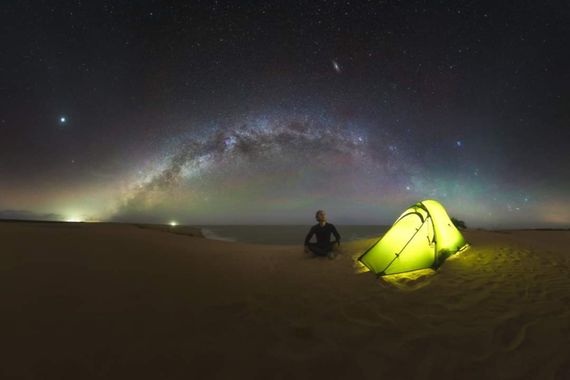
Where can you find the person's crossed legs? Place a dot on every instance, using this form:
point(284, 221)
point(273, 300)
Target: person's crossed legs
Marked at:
point(320, 250)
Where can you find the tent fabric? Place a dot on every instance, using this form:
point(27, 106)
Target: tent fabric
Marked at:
point(422, 237)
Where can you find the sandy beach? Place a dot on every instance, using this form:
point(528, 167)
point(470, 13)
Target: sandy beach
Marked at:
point(119, 301)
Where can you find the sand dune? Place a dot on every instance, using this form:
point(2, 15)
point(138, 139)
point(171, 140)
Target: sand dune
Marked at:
point(85, 301)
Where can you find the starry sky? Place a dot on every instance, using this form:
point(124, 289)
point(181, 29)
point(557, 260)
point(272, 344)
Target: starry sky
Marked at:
point(211, 112)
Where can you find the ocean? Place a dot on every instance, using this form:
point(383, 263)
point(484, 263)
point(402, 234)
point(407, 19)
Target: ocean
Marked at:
point(285, 234)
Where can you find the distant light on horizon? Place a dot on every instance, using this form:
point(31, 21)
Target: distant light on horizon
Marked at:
point(173, 223)
point(74, 219)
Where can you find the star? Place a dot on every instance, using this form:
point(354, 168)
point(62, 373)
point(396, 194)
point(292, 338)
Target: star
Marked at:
point(62, 120)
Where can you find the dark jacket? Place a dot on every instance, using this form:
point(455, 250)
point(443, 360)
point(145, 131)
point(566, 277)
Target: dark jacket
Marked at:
point(323, 234)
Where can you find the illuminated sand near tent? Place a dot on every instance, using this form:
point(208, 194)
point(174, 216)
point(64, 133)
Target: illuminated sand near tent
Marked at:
point(118, 301)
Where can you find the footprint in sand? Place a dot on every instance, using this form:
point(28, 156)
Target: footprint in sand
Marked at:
point(303, 331)
point(510, 334)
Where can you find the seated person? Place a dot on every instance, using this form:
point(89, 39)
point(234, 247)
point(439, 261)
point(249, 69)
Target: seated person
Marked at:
point(323, 230)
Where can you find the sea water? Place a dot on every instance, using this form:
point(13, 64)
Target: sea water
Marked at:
point(286, 234)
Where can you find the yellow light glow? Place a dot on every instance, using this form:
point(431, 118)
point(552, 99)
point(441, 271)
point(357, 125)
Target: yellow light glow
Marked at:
point(409, 280)
point(459, 253)
point(74, 219)
point(357, 266)
point(173, 223)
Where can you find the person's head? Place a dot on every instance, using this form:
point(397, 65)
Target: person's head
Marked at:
point(321, 216)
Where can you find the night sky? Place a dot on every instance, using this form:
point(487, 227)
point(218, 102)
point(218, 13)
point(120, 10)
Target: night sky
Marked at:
point(209, 112)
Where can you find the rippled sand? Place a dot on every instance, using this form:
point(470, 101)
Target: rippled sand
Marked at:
point(84, 301)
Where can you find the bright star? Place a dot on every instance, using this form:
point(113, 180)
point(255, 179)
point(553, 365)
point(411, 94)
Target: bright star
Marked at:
point(62, 119)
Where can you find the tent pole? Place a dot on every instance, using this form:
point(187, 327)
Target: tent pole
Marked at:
point(397, 254)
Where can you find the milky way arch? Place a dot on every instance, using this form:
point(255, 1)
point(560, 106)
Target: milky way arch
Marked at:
point(281, 164)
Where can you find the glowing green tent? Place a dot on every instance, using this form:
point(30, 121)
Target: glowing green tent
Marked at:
point(422, 237)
